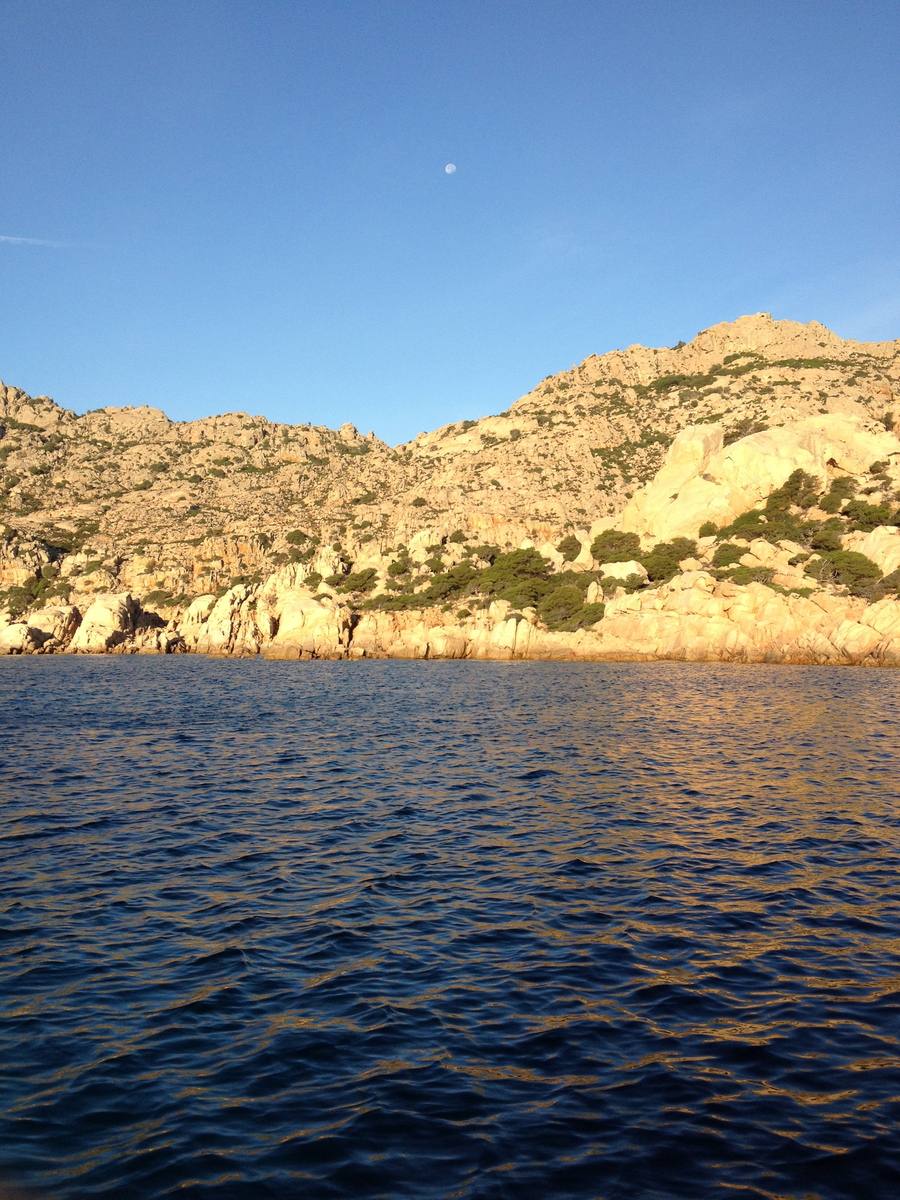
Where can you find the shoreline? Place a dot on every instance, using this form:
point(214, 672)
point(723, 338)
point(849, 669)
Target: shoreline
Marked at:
point(691, 618)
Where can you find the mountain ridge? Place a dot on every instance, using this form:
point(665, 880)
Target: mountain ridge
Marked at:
point(125, 501)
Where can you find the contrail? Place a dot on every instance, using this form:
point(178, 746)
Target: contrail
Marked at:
point(20, 241)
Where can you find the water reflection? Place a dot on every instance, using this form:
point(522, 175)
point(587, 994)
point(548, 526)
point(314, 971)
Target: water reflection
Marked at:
point(449, 929)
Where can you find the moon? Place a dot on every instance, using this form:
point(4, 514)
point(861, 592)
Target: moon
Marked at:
point(450, 168)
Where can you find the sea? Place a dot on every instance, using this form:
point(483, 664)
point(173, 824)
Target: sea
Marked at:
point(448, 930)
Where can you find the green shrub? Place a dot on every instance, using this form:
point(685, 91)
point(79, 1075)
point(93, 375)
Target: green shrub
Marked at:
point(360, 581)
point(633, 583)
point(827, 536)
point(397, 603)
point(33, 593)
point(867, 516)
point(569, 548)
point(844, 486)
point(419, 502)
point(662, 561)
point(457, 537)
point(313, 579)
point(525, 594)
point(563, 608)
point(159, 598)
point(560, 604)
point(613, 546)
point(799, 488)
point(508, 570)
point(401, 567)
point(708, 529)
point(745, 575)
point(772, 527)
point(335, 580)
point(728, 553)
point(848, 568)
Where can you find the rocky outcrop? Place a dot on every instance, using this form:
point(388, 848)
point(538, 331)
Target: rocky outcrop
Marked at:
point(693, 618)
point(704, 480)
point(106, 624)
point(696, 619)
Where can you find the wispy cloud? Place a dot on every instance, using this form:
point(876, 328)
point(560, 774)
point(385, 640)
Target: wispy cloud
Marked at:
point(20, 241)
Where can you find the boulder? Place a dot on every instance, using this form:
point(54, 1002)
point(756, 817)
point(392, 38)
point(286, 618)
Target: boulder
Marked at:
point(107, 623)
point(704, 480)
point(310, 628)
point(227, 627)
point(621, 570)
point(19, 638)
point(57, 622)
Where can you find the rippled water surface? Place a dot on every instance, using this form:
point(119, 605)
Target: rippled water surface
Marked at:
point(468, 930)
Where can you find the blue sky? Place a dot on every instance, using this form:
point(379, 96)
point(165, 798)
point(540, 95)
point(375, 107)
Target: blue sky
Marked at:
point(248, 207)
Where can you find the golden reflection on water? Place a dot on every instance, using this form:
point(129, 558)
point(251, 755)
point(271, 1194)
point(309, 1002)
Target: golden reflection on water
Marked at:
point(571, 914)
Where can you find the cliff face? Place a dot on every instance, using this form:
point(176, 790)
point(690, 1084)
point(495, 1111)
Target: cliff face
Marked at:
point(759, 456)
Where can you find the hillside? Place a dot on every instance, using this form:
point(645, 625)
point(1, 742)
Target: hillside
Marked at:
point(655, 441)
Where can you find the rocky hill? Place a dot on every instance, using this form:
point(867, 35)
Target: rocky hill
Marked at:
point(756, 455)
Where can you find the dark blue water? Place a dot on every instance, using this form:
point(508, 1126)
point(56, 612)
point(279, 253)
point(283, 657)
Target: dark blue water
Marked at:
point(462, 930)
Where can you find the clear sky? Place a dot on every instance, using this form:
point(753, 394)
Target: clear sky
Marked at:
point(245, 205)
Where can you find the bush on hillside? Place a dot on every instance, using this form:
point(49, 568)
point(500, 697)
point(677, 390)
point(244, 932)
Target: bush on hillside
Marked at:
point(613, 546)
point(745, 575)
point(569, 548)
point(360, 581)
point(774, 526)
point(560, 604)
point(727, 553)
point(508, 570)
point(848, 568)
point(841, 489)
point(827, 536)
point(868, 516)
point(662, 561)
point(799, 488)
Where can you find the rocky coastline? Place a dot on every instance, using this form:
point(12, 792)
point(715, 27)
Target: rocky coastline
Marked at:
point(691, 618)
point(762, 525)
